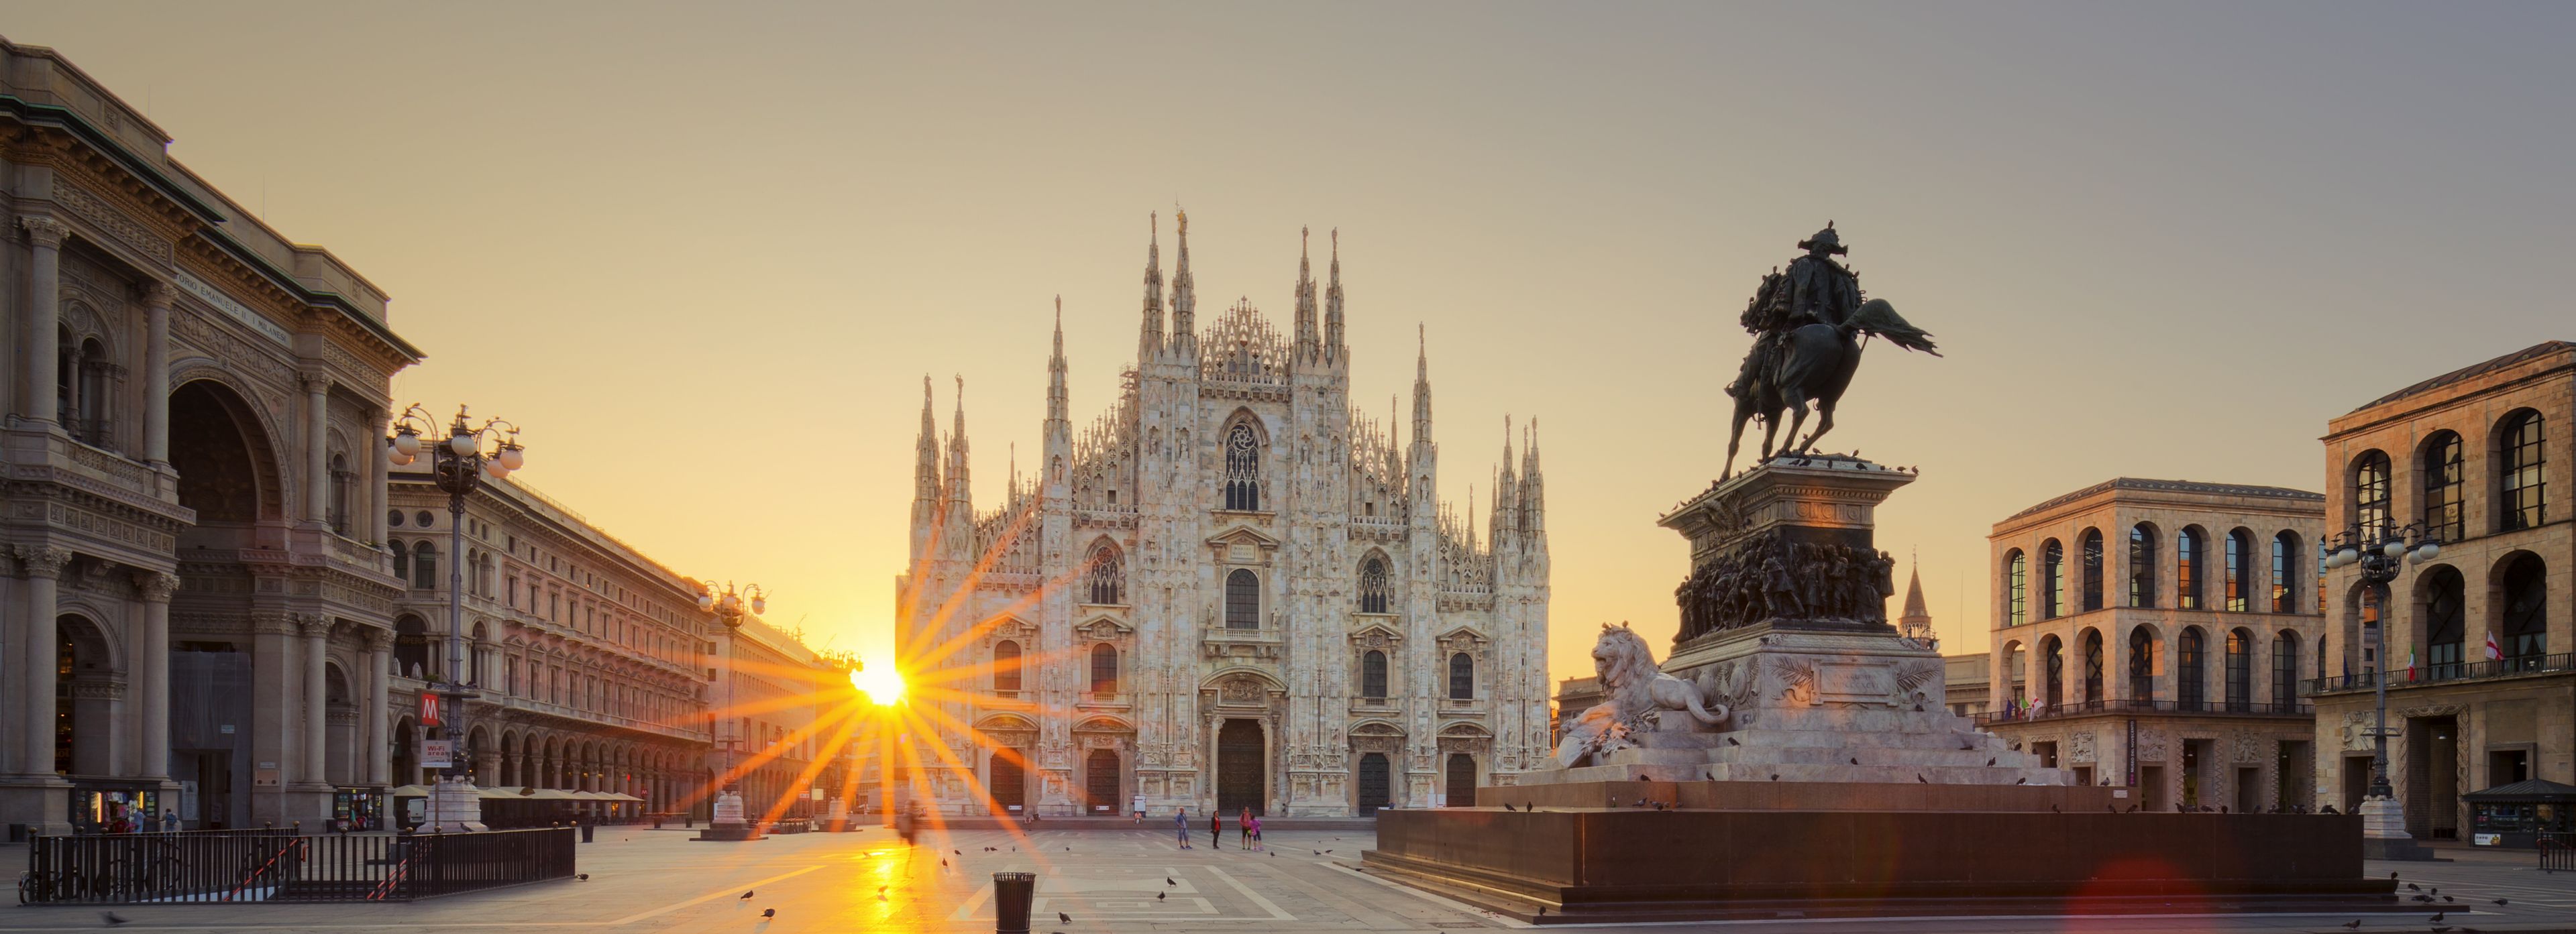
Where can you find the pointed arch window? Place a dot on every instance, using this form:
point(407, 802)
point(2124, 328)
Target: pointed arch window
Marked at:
point(1104, 669)
point(1108, 574)
point(2189, 549)
point(1462, 677)
point(2444, 481)
point(2092, 549)
point(2370, 495)
point(1373, 586)
point(2016, 588)
point(2142, 565)
point(1242, 600)
point(2052, 580)
point(1006, 666)
point(2526, 501)
point(1373, 675)
point(2240, 570)
point(1242, 469)
point(2285, 572)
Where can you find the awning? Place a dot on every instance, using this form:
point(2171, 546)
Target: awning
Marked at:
point(410, 791)
point(2533, 791)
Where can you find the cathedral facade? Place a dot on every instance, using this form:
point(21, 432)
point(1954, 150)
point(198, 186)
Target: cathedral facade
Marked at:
point(1230, 590)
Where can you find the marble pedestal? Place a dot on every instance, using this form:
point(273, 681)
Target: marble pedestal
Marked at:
point(2383, 832)
point(454, 806)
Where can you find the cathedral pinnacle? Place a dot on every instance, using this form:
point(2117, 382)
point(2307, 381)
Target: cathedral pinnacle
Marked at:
point(1308, 345)
point(1057, 404)
point(1333, 349)
point(1185, 299)
point(1149, 340)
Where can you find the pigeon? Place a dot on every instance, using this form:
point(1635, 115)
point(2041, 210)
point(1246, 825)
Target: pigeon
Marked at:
point(1167, 880)
point(581, 877)
point(1336, 838)
point(943, 864)
point(2392, 875)
point(1775, 776)
point(1966, 746)
point(746, 896)
point(2437, 916)
point(2442, 929)
point(1711, 776)
point(1918, 776)
point(1508, 807)
point(1158, 896)
point(2016, 745)
point(2354, 925)
point(2021, 781)
point(1855, 760)
point(1315, 851)
point(2427, 899)
point(1062, 918)
point(2500, 901)
point(2113, 808)
point(1732, 741)
point(111, 918)
point(2436, 890)
point(2449, 899)
point(2412, 887)
point(1542, 911)
point(769, 912)
point(1990, 761)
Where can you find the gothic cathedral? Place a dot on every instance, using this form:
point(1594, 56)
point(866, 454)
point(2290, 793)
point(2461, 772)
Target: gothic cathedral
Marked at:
point(1232, 590)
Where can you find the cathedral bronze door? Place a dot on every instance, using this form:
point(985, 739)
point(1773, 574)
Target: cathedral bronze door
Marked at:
point(1100, 781)
point(1462, 780)
point(1009, 784)
point(1375, 782)
point(1239, 768)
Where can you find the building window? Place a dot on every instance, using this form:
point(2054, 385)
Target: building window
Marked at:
point(2240, 570)
point(1006, 666)
point(2285, 572)
point(2142, 565)
point(1104, 669)
point(2443, 481)
point(2370, 495)
point(1373, 675)
point(2188, 550)
point(2052, 580)
point(2190, 681)
point(1107, 574)
point(402, 560)
point(2445, 625)
point(1373, 595)
point(2526, 500)
point(2240, 670)
point(2142, 665)
point(1242, 469)
point(2285, 670)
point(1462, 677)
point(2016, 587)
point(424, 565)
point(2092, 548)
point(2093, 668)
point(343, 494)
point(2053, 662)
point(1242, 600)
point(2526, 611)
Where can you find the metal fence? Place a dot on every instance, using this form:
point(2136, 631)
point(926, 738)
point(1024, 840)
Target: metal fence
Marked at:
point(2090, 708)
point(280, 866)
point(2557, 852)
point(2447, 671)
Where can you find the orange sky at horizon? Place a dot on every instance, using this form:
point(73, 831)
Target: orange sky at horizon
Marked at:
point(705, 255)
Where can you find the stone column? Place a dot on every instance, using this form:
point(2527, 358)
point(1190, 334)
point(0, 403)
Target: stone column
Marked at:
point(317, 453)
point(38, 366)
point(36, 652)
point(379, 484)
point(150, 672)
point(316, 629)
point(380, 672)
point(156, 373)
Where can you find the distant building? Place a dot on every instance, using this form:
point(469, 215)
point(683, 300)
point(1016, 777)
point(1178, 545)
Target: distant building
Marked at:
point(2150, 634)
point(1573, 697)
point(1965, 679)
point(2470, 456)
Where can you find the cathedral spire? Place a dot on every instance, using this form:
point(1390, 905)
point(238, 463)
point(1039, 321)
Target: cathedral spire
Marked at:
point(1149, 339)
point(957, 475)
point(925, 461)
point(1185, 298)
point(1533, 489)
point(1333, 349)
point(1916, 622)
point(1309, 345)
point(1506, 489)
point(1421, 386)
point(1056, 401)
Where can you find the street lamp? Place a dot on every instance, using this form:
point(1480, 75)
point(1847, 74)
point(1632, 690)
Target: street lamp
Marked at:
point(2382, 552)
point(458, 464)
point(728, 606)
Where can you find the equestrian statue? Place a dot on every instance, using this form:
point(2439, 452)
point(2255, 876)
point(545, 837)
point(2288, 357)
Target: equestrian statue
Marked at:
point(1807, 325)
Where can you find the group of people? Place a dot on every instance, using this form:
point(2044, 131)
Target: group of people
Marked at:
point(1248, 827)
point(1774, 578)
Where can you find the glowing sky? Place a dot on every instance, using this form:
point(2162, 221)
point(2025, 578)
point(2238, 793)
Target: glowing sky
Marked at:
point(705, 254)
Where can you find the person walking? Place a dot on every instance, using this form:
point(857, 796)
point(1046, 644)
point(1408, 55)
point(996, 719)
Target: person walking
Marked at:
point(1181, 825)
point(1252, 831)
point(1137, 804)
point(1216, 828)
point(1243, 829)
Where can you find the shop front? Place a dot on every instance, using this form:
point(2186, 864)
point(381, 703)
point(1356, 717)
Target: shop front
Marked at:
point(115, 807)
point(357, 809)
point(2514, 816)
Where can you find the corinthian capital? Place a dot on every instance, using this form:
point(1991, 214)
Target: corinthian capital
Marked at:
point(313, 625)
point(156, 587)
point(43, 560)
point(159, 294)
point(43, 230)
point(375, 639)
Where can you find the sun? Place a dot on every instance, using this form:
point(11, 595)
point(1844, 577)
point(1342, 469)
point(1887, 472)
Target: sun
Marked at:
point(882, 684)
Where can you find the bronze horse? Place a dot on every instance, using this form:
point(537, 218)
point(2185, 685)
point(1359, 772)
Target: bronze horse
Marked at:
point(1814, 363)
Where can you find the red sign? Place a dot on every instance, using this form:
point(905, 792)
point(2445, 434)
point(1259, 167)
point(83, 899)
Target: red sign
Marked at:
point(428, 709)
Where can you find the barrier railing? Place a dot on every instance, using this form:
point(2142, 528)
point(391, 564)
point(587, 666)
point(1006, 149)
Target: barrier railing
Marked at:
point(280, 866)
point(2520, 665)
point(2557, 852)
point(2090, 708)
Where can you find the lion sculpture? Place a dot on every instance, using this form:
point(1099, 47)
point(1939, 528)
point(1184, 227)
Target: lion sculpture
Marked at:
point(1634, 692)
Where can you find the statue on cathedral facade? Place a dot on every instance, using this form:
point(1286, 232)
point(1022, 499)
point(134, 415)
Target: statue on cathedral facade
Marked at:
point(1807, 325)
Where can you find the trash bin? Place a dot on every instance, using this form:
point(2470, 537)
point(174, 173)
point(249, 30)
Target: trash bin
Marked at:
point(1012, 892)
point(586, 831)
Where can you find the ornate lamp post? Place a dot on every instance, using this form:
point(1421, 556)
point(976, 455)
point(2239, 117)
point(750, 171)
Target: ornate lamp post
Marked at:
point(2381, 551)
point(458, 463)
point(728, 606)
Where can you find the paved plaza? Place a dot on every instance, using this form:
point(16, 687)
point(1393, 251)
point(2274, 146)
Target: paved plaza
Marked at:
point(1109, 880)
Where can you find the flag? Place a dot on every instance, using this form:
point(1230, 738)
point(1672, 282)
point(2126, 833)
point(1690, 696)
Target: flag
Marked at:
point(2493, 653)
point(2410, 663)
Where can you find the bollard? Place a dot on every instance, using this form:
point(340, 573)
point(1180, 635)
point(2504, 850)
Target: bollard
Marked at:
point(1012, 892)
point(586, 828)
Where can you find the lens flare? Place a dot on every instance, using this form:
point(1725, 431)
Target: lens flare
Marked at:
point(882, 684)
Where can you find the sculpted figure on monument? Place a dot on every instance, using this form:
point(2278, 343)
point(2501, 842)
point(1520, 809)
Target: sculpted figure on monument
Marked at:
point(1635, 692)
point(1769, 578)
point(1807, 324)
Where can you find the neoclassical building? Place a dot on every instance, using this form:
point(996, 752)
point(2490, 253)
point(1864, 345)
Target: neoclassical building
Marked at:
point(1232, 589)
point(192, 505)
point(2151, 634)
point(2478, 457)
point(592, 659)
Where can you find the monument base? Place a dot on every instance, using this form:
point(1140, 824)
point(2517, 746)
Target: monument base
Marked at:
point(1632, 865)
point(454, 806)
point(2383, 832)
point(730, 833)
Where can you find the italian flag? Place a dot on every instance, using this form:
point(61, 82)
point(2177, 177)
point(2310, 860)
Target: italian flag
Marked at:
point(2410, 664)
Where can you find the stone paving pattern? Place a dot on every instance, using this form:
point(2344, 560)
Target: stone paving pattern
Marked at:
point(1107, 880)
